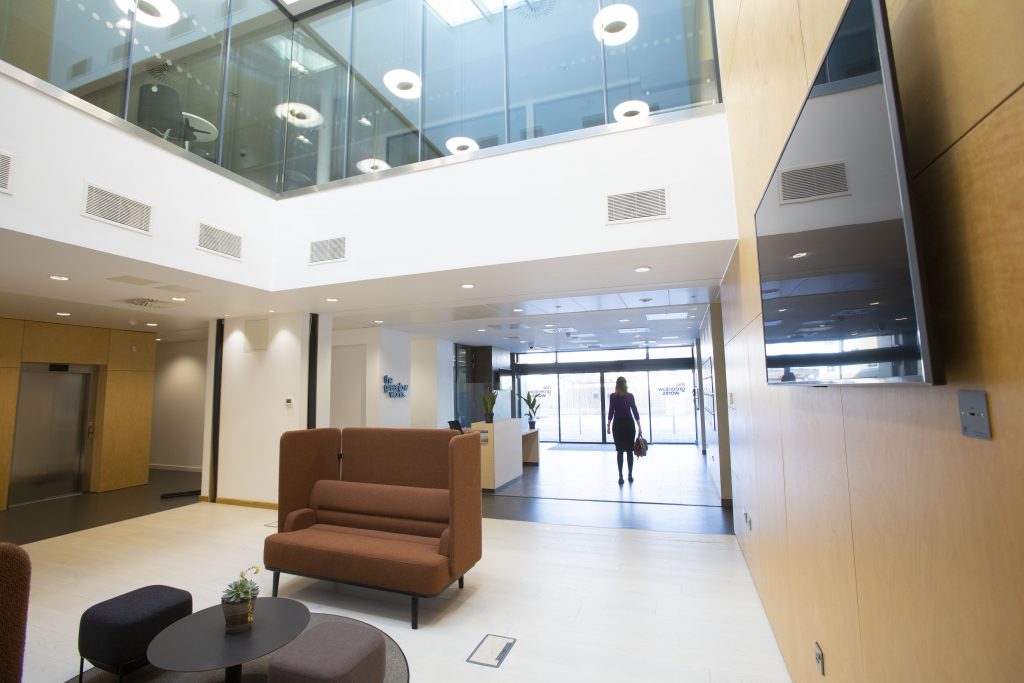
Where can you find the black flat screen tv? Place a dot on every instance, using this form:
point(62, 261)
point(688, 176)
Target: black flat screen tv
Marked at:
point(842, 295)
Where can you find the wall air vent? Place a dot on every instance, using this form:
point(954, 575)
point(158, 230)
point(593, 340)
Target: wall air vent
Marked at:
point(327, 251)
point(219, 241)
point(6, 161)
point(146, 302)
point(117, 210)
point(637, 206)
point(813, 182)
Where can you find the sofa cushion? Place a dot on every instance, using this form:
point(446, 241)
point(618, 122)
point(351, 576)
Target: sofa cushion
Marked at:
point(398, 509)
point(399, 562)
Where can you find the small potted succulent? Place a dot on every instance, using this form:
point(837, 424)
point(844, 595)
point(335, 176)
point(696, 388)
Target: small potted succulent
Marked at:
point(490, 398)
point(532, 406)
point(238, 601)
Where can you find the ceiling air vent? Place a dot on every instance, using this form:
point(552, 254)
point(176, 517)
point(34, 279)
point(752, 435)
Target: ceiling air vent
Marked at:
point(115, 209)
point(5, 172)
point(219, 241)
point(813, 182)
point(637, 206)
point(327, 251)
point(146, 302)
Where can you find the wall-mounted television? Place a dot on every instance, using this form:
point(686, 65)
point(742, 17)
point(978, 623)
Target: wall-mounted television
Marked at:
point(842, 295)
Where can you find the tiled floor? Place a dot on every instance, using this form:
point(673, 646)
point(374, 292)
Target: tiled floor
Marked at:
point(586, 604)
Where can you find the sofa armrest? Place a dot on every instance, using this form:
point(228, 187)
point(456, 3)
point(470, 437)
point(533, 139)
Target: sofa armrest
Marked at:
point(445, 545)
point(465, 514)
point(299, 519)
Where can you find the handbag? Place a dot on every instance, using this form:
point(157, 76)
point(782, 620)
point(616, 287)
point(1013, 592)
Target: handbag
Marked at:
point(640, 447)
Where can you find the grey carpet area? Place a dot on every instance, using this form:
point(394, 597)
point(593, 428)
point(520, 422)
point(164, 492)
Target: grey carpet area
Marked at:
point(397, 666)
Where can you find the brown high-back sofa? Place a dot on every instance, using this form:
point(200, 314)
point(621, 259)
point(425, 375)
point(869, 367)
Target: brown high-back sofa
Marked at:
point(404, 515)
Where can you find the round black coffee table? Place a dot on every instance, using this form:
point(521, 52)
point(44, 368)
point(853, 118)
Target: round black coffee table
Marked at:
point(198, 642)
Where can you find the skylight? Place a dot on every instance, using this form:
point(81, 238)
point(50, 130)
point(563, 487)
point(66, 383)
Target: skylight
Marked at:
point(458, 12)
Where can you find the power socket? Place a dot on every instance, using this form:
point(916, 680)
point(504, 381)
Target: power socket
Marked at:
point(819, 659)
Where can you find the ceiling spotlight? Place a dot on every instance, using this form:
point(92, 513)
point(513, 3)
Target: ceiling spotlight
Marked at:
point(461, 145)
point(62, 314)
point(874, 303)
point(331, 300)
point(783, 310)
point(403, 83)
point(517, 310)
point(303, 139)
point(372, 165)
point(159, 339)
point(481, 330)
point(623, 320)
point(642, 269)
point(799, 254)
point(468, 286)
point(364, 121)
point(156, 13)
point(900, 319)
point(179, 299)
point(670, 337)
point(299, 115)
point(60, 278)
point(548, 325)
point(271, 311)
point(378, 322)
point(631, 110)
point(151, 324)
point(616, 24)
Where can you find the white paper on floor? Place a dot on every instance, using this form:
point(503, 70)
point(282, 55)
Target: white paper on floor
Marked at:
point(491, 651)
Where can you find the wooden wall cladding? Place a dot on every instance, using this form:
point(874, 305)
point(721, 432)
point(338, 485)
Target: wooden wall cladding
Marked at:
point(132, 351)
point(123, 452)
point(899, 543)
point(9, 381)
point(11, 333)
point(54, 343)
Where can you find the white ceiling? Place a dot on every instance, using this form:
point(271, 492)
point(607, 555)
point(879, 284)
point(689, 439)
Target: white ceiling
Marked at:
point(590, 293)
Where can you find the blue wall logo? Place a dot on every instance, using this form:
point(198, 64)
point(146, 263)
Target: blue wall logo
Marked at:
point(394, 389)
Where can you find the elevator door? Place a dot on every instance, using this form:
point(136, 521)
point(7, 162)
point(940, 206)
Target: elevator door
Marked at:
point(50, 433)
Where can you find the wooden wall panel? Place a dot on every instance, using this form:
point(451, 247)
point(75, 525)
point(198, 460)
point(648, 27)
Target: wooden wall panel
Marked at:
point(727, 13)
point(9, 381)
point(744, 478)
point(818, 21)
point(947, 91)
point(121, 455)
point(11, 334)
point(132, 351)
point(55, 343)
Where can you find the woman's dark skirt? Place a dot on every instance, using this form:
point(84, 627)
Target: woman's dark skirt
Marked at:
point(624, 433)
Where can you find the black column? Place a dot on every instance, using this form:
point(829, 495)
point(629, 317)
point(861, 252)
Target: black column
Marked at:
point(314, 334)
point(218, 366)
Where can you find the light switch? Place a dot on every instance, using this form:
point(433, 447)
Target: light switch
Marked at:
point(974, 421)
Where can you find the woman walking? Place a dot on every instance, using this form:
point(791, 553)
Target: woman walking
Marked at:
point(620, 424)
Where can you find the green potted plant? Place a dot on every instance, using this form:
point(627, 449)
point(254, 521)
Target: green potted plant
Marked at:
point(532, 407)
point(238, 601)
point(490, 398)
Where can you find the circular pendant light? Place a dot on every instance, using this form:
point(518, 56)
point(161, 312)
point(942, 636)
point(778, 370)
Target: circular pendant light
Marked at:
point(403, 83)
point(299, 115)
point(461, 145)
point(156, 13)
point(631, 111)
point(616, 24)
point(372, 165)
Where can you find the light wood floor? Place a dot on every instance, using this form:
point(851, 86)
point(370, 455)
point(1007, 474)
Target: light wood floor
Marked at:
point(586, 604)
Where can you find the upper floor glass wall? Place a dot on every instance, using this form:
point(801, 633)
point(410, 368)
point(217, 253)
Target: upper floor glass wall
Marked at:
point(364, 85)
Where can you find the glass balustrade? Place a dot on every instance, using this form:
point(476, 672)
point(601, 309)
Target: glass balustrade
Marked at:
point(365, 85)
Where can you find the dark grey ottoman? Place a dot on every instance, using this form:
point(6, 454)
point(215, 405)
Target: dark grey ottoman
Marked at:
point(331, 653)
point(114, 634)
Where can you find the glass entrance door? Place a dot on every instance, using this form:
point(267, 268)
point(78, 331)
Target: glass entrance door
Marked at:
point(580, 419)
point(673, 415)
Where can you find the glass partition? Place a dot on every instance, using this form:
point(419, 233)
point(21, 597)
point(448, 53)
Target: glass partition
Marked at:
point(580, 417)
point(545, 388)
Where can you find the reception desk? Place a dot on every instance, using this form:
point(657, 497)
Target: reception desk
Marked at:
point(501, 452)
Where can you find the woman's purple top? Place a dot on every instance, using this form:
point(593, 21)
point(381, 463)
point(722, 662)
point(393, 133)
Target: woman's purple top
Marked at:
point(620, 405)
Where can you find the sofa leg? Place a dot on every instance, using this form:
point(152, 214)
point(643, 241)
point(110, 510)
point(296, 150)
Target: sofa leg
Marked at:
point(81, 668)
point(277, 581)
point(462, 581)
point(415, 612)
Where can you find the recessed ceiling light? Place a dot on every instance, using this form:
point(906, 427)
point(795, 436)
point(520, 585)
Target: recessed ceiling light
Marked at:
point(623, 320)
point(62, 314)
point(616, 24)
point(549, 325)
point(631, 110)
point(633, 330)
point(522, 341)
point(378, 322)
point(670, 337)
point(468, 286)
point(151, 324)
point(874, 303)
point(271, 311)
point(179, 299)
point(481, 330)
point(372, 165)
point(227, 315)
point(403, 83)
point(642, 269)
point(637, 336)
point(303, 139)
point(681, 315)
point(331, 300)
point(299, 115)
point(363, 121)
point(157, 13)
point(159, 339)
point(517, 310)
point(799, 254)
point(900, 319)
point(783, 310)
point(60, 278)
point(461, 145)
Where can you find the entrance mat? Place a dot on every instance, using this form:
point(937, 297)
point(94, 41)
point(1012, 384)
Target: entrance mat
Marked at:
point(396, 668)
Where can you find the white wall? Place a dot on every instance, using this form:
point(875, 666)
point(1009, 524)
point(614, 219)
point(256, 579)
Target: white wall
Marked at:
point(348, 386)
point(255, 384)
point(388, 352)
point(179, 406)
point(432, 382)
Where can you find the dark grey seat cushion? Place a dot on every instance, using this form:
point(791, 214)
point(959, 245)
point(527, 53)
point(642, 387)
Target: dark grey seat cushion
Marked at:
point(331, 652)
point(116, 632)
